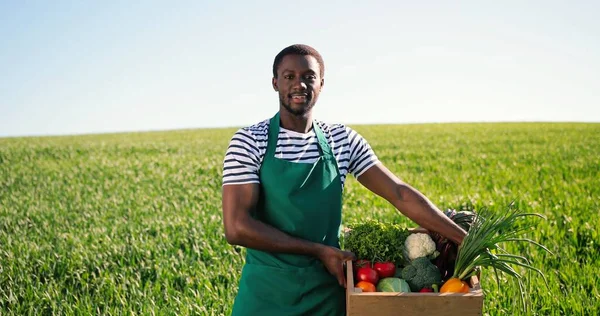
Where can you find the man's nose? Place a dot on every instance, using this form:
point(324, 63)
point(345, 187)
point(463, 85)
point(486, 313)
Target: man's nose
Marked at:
point(300, 84)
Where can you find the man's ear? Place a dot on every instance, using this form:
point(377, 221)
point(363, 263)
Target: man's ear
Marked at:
point(322, 83)
point(274, 83)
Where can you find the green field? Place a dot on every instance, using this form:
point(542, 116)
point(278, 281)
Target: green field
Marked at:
point(131, 223)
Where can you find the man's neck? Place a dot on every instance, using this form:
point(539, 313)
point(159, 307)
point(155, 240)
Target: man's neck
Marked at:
point(301, 124)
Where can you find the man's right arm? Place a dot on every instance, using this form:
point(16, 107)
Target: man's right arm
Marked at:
point(243, 230)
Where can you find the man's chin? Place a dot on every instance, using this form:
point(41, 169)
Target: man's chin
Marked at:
point(298, 110)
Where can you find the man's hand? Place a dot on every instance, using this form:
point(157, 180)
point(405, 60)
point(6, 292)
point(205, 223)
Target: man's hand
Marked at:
point(333, 259)
point(241, 229)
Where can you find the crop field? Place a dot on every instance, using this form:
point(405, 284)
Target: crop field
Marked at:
point(131, 223)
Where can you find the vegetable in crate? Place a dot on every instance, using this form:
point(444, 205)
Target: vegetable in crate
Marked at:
point(362, 263)
point(433, 289)
point(385, 269)
point(393, 285)
point(421, 273)
point(419, 245)
point(367, 274)
point(481, 248)
point(366, 286)
point(375, 241)
point(446, 248)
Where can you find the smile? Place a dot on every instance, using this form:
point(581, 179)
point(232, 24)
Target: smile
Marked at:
point(299, 97)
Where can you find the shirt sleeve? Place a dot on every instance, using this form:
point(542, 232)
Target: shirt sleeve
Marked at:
point(242, 159)
point(362, 156)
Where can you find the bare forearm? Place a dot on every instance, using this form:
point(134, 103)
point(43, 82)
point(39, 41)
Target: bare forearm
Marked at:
point(254, 234)
point(417, 207)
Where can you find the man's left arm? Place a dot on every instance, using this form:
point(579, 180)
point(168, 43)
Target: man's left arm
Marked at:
point(410, 202)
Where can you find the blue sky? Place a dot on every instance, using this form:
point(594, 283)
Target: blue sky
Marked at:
point(76, 67)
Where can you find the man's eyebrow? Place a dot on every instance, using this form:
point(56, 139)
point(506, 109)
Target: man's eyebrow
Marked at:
point(308, 71)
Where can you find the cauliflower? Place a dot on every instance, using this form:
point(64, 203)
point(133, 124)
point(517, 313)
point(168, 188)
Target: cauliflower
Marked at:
point(419, 245)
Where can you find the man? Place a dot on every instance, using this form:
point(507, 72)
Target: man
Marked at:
point(282, 197)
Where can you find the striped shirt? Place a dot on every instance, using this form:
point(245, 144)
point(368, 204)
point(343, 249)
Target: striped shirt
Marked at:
point(248, 146)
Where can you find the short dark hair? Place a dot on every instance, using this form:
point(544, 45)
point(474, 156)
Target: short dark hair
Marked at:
point(299, 49)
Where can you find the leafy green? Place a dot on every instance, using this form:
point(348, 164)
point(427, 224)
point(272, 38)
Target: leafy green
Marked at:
point(376, 241)
point(393, 285)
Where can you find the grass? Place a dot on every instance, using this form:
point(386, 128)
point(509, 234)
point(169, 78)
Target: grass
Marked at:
point(131, 223)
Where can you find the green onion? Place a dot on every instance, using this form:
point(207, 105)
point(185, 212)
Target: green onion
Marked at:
point(481, 248)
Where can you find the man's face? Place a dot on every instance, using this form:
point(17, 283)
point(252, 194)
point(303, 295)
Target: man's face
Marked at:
point(298, 83)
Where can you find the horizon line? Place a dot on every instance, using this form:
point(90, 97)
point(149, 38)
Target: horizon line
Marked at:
point(180, 129)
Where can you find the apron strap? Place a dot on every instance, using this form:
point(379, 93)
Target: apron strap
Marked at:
point(273, 135)
point(324, 148)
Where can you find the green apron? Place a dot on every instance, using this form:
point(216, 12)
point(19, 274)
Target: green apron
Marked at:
point(303, 200)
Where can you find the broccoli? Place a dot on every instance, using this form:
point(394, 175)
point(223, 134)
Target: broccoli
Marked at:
point(421, 273)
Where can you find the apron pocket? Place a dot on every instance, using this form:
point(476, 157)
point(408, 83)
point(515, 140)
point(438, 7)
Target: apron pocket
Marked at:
point(266, 290)
point(271, 285)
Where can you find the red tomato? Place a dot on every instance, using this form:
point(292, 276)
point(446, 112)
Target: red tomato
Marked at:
point(366, 286)
point(385, 269)
point(426, 290)
point(367, 274)
point(362, 263)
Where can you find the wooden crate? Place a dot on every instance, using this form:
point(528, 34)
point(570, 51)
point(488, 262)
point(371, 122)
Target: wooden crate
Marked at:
point(405, 304)
point(387, 303)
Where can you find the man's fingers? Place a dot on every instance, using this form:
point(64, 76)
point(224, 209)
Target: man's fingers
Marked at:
point(349, 255)
point(340, 277)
